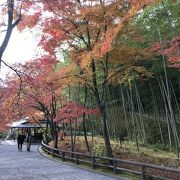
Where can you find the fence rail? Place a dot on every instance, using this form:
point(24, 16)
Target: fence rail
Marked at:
point(116, 165)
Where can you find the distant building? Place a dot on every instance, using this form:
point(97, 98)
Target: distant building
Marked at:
point(25, 125)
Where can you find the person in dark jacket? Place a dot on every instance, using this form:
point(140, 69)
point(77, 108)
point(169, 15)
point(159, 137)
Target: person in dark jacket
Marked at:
point(20, 141)
point(28, 141)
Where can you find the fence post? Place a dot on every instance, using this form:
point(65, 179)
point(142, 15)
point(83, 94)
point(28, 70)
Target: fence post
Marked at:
point(93, 162)
point(114, 166)
point(57, 151)
point(63, 154)
point(143, 172)
point(53, 152)
point(77, 156)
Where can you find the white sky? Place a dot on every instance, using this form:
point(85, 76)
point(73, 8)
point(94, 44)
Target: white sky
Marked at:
point(21, 48)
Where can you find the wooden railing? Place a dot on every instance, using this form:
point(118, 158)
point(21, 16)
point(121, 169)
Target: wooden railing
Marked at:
point(116, 165)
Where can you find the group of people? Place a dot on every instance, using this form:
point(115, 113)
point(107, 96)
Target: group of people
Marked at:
point(20, 140)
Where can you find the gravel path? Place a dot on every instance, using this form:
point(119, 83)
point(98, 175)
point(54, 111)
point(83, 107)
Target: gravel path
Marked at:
point(31, 165)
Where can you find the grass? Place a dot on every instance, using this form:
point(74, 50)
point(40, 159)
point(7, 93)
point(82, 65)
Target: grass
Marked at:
point(154, 152)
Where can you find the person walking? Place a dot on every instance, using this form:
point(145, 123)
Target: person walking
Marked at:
point(20, 141)
point(28, 141)
point(0, 137)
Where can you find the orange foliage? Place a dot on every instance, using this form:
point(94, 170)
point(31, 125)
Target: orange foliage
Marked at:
point(29, 21)
point(88, 29)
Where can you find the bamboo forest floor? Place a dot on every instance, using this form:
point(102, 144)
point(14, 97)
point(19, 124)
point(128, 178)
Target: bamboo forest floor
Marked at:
point(128, 151)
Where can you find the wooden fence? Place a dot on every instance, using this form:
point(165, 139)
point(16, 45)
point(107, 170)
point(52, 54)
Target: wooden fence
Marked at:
point(144, 170)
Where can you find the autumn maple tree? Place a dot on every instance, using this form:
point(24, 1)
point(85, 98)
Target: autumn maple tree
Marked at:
point(169, 49)
point(36, 96)
point(88, 29)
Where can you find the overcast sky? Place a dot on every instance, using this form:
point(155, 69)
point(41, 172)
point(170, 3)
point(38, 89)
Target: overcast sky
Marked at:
point(21, 48)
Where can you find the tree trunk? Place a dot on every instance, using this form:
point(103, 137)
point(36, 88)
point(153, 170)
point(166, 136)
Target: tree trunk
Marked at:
point(84, 120)
point(101, 107)
point(46, 132)
point(105, 132)
point(85, 133)
point(72, 144)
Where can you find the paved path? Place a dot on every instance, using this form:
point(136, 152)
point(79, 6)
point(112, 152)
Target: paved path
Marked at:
point(31, 165)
